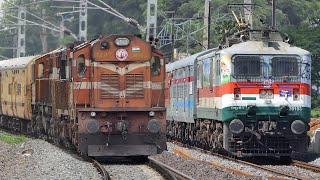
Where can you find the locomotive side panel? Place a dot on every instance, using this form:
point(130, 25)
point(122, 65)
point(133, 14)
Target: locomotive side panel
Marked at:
point(42, 82)
point(81, 72)
point(157, 72)
point(182, 99)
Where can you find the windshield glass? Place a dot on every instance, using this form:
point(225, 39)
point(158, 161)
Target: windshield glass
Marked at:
point(284, 66)
point(247, 66)
point(257, 68)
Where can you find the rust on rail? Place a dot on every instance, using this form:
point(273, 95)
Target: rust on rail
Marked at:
point(306, 165)
point(234, 171)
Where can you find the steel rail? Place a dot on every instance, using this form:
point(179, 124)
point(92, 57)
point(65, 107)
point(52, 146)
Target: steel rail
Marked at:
point(271, 170)
point(256, 166)
point(305, 165)
point(101, 170)
point(170, 172)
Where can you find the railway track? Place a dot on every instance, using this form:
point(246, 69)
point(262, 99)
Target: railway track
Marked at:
point(101, 170)
point(307, 166)
point(280, 173)
point(138, 169)
point(169, 172)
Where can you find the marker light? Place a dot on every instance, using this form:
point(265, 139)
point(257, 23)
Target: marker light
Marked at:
point(296, 94)
point(237, 95)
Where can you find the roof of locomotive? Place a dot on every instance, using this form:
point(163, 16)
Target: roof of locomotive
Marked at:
point(260, 47)
point(16, 63)
point(188, 61)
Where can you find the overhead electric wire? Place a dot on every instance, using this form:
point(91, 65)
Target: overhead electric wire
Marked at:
point(111, 8)
point(119, 15)
point(57, 30)
point(55, 26)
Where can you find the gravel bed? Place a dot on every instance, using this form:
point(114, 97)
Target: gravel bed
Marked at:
point(197, 169)
point(132, 172)
point(300, 172)
point(224, 162)
point(38, 160)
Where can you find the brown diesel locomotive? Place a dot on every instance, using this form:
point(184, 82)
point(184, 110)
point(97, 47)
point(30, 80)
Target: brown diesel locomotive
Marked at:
point(105, 96)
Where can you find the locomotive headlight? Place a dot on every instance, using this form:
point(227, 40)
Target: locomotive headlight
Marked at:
point(266, 94)
point(263, 94)
point(236, 126)
point(122, 41)
point(104, 45)
point(270, 94)
point(93, 114)
point(298, 127)
point(151, 113)
point(237, 94)
point(296, 94)
point(154, 126)
point(92, 126)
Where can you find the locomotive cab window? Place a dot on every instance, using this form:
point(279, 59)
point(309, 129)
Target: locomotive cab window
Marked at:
point(247, 66)
point(155, 66)
point(40, 70)
point(284, 66)
point(81, 65)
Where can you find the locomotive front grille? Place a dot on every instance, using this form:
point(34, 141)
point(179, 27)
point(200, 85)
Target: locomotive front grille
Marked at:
point(109, 86)
point(134, 85)
point(267, 145)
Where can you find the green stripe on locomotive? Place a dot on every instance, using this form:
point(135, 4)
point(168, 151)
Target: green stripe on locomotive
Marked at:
point(240, 112)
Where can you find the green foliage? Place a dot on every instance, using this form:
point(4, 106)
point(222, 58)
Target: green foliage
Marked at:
point(12, 139)
point(300, 19)
point(315, 113)
point(310, 134)
point(66, 40)
point(309, 38)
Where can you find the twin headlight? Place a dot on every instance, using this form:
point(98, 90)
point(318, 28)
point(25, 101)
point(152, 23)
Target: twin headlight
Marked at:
point(266, 94)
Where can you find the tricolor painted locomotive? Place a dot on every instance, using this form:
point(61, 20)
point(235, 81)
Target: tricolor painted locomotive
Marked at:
point(106, 96)
point(250, 98)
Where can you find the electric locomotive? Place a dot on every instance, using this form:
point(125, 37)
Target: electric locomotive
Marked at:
point(250, 97)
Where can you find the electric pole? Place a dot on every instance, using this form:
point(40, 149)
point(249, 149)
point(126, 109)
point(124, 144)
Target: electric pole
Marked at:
point(83, 20)
point(274, 25)
point(152, 13)
point(21, 50)
point(248, 12)
point(207, 19)
point(43, 34)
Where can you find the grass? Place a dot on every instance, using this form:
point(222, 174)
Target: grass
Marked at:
point(12, 139)
point(310, 134)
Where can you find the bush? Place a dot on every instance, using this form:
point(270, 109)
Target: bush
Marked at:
point(315, 113)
